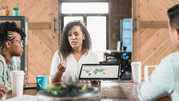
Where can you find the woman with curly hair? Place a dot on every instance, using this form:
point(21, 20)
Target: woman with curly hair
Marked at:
point(74, 51)
point(10, 45)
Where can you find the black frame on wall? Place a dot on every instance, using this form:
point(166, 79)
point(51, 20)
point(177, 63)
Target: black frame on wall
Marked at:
point(22, 20)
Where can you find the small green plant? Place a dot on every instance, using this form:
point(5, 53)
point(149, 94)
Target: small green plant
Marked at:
point(67, 89)
point(16, 8)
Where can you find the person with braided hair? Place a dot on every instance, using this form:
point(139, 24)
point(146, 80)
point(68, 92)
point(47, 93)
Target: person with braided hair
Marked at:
point(11, 38)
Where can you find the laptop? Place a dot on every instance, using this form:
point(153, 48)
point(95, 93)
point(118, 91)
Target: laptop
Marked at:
point(99, 72)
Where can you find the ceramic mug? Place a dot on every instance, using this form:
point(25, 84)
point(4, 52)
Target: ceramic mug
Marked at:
point(42, 82)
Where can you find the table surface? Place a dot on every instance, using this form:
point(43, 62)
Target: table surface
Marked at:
point(124, 90)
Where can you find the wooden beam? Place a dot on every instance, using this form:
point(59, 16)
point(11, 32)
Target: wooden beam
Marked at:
point(136, 26)
point(39, 25)
point(153, 24)
point(55, 18)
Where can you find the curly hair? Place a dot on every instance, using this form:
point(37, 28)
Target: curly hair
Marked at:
point(65, 48)
point(173, 14)
point(5, 32)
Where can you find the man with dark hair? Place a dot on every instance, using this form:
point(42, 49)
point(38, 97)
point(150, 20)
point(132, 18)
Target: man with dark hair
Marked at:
point(165, 78)
point(10, 45)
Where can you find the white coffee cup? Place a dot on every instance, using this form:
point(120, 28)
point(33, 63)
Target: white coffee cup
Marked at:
point(17, 83)
point(136, 71)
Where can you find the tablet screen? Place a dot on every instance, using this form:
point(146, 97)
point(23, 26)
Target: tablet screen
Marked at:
point(99, 71)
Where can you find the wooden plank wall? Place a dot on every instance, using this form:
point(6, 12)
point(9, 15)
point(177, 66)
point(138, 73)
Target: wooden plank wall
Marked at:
point(42, 41)
point(153, 39)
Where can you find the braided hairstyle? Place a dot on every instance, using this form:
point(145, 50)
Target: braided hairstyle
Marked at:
point(6, 29)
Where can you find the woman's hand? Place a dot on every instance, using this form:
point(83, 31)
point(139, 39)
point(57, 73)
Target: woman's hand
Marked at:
point(62, 66)
point(3, 91)
point(58, 75)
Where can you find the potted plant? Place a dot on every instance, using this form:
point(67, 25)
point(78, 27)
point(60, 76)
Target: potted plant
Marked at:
point(15, 11)
point(5, 10)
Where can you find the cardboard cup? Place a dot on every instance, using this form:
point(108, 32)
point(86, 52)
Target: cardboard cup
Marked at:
point(136, 71)
point(17, 83)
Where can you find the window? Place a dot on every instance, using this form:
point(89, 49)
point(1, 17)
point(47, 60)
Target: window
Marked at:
point(126, 33)
point(94, 15)
point(84, 7)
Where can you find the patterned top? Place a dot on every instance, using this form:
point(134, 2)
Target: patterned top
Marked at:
point(5, 70)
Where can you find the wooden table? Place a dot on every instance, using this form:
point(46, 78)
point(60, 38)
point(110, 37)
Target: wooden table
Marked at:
point(123, 90)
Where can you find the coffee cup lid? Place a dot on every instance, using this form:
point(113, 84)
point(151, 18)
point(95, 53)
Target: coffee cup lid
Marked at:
point(136, 63)
point(16, 72)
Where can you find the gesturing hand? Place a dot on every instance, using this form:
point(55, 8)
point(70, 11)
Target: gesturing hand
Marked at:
point(62, 66)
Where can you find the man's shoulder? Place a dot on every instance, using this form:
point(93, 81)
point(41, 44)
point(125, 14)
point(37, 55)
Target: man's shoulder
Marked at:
point(174, 55)
point(171, 59)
